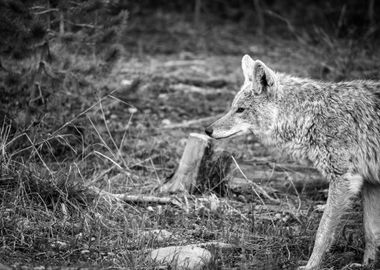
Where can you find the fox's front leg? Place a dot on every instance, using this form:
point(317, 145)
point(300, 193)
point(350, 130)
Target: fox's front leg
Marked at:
point(340, 193)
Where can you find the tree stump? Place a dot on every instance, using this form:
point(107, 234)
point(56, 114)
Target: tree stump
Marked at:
point(200, 168)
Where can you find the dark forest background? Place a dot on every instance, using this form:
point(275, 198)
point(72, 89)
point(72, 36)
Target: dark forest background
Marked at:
point(169, 23)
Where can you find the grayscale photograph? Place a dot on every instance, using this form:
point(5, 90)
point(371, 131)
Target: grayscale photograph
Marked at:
point(189, 135)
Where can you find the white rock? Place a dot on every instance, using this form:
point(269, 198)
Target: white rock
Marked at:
point(126, 82)
point(166, 122)
point(182, 257)
point(84, 251)
point(132, 110)
point(150, 208)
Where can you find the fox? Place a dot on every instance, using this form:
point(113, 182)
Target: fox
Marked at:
point(335, 125)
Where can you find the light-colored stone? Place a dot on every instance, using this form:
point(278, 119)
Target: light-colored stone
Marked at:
point(182, 257)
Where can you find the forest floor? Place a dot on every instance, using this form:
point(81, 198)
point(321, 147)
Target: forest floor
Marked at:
point(123, 130)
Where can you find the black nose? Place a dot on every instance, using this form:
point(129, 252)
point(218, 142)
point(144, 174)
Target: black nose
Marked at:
point(209, 131)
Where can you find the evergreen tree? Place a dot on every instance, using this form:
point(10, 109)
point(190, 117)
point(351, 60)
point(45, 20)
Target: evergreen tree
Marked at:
point(22, 33)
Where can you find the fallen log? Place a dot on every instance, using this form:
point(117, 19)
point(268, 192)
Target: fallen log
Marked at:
point(287, 177)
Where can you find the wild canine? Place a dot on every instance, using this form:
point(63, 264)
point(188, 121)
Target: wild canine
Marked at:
point(335, 125)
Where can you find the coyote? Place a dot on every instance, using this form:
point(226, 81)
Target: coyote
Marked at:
point(334, 125)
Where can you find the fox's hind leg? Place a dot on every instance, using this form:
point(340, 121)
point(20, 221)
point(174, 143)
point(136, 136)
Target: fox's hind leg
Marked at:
point(371, 220)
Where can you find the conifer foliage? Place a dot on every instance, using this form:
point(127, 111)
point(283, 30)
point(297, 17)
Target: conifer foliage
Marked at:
point(21, 31)
point(37, 35)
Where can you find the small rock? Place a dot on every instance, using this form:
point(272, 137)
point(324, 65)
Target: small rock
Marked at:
point(126, 82)
point(85, 251)
point(286, 218)
point(166, 122)
point(132, 110)
point(182, 257)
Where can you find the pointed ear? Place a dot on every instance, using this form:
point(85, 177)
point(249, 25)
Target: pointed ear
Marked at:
point(247, 64)
point(264, 79)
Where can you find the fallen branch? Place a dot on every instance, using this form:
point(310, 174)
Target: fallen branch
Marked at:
point(280, 166)
point(135, 198)
point(177, 63)
point(197, 89)
point(194, 122)
point(281, 177)
point(148, 199)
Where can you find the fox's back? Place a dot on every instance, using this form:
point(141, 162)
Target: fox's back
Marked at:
point(338, 120)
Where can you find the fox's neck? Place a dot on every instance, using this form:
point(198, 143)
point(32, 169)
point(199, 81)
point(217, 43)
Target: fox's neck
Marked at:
point(291, 117)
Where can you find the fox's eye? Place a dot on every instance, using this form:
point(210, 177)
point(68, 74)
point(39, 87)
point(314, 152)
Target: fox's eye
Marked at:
point(240, 110)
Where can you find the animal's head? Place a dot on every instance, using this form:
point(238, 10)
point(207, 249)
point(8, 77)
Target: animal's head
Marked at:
point(254, 106)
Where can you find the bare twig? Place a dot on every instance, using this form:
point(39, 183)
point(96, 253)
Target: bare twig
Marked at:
point(289, 25)
point(50, 10)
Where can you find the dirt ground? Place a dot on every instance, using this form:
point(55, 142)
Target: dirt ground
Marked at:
point(123, 130)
